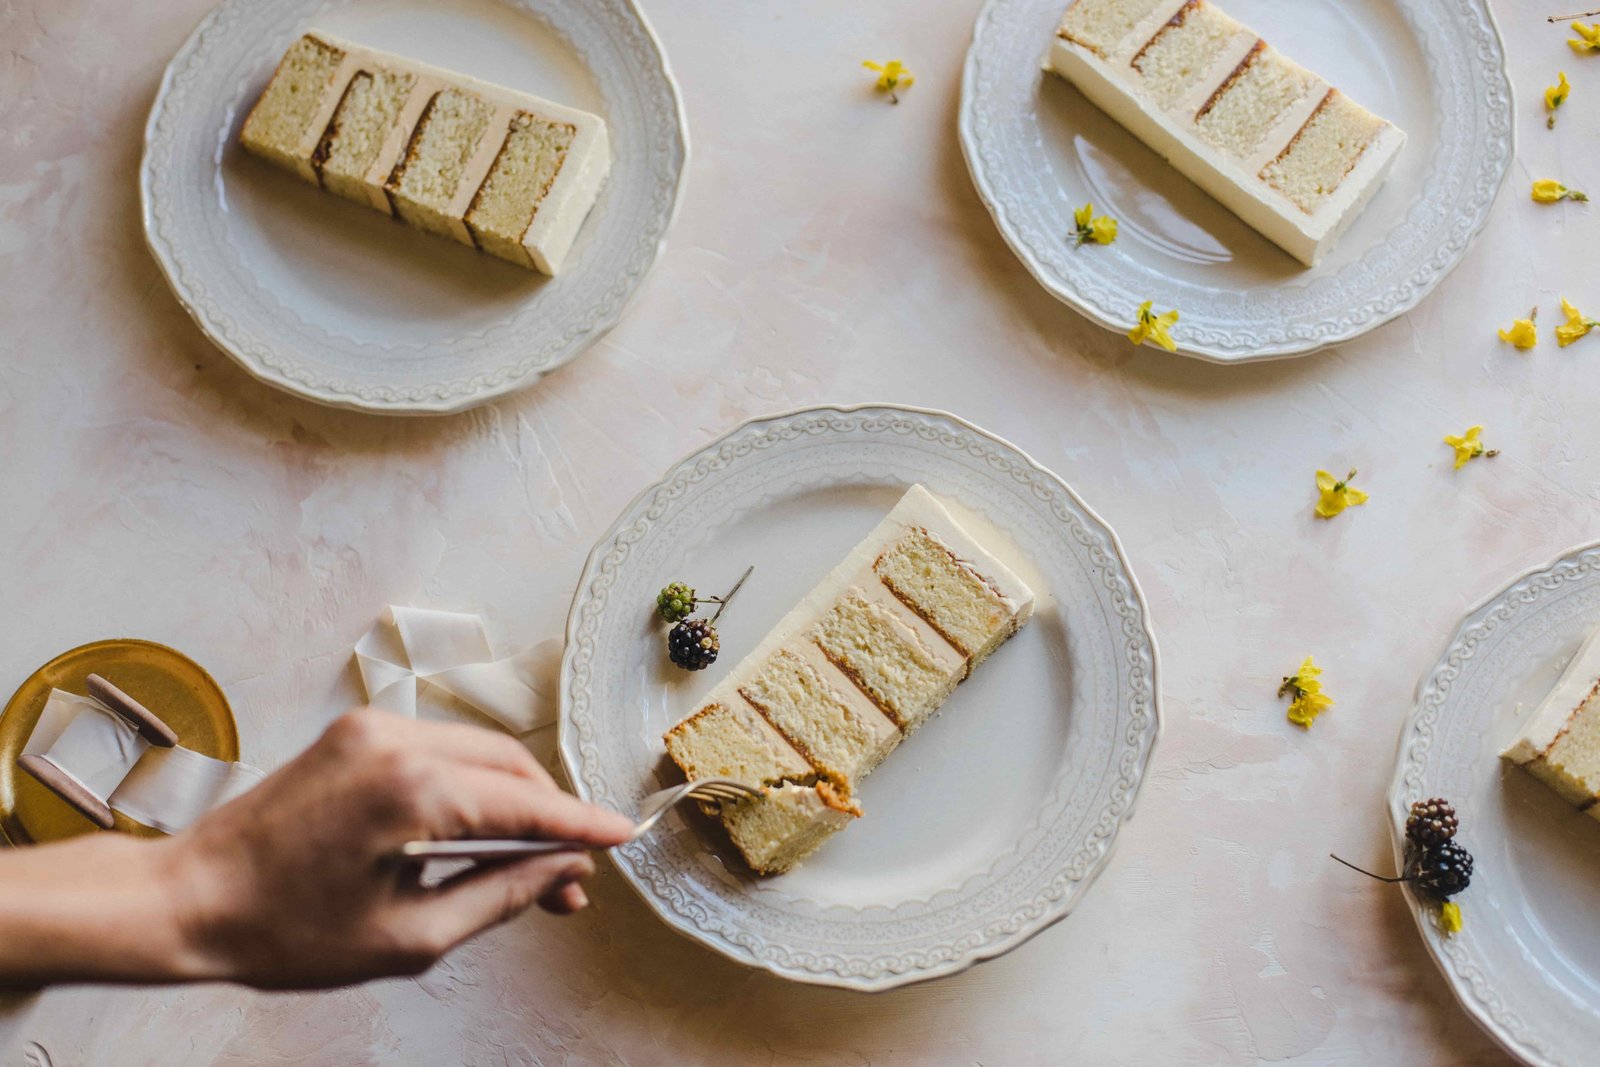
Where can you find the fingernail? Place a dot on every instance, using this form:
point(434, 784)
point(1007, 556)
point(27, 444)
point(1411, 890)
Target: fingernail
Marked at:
point(579, 897)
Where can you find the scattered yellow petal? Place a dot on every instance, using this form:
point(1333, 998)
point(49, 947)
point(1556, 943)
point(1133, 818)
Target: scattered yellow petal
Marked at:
point(891, 76)
point(1576, 325)
point(1469, 446)
point(1587, 39)
point(1306, 698)
point(1450, 918)
point(1152, 327)
point(1555, 96)
point(1102, 230)
point(1549, 191)
point(1523, 334)
point(1334, 494)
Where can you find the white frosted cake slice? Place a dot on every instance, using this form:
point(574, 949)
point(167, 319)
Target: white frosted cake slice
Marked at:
point(1285, 151)
point(863, 659)
point(1560, 743)
point(503, 171)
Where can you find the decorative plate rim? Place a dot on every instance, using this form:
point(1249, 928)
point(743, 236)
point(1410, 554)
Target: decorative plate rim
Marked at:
point(1400, 298)
point(1142, 750)
point(346, 395)
point(1472, 991)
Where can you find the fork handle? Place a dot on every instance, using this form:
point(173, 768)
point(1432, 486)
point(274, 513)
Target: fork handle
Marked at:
point(486, 849)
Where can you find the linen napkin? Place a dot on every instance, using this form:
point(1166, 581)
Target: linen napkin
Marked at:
point(450, 650)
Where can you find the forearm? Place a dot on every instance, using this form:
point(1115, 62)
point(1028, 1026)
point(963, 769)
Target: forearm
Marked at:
point(102, 908)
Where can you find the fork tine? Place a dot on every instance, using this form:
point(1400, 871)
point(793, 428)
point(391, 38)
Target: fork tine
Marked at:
point(716, 793)
point(725, 788)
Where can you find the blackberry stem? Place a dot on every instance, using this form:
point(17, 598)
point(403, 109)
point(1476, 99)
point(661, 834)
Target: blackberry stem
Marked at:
point(1368, 873)
point(722, 601)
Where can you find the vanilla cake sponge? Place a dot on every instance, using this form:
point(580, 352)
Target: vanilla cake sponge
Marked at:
point(1285, 151)
point(863, 660)
point(1560, 743)
point(503, 171)
point(787, 823)
point(730, 739)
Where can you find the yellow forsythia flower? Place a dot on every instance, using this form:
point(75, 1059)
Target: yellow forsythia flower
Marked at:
point(1449, 918)
point(1587, 39)
point(1548, 191)
point(1468, 446)
point(1576, 325)
point(1523, 334)
point(1555, 96)
point(1102, 230)
point(1334, 494)
point(1306, 698)
point(1152, 327)
point(891, 76)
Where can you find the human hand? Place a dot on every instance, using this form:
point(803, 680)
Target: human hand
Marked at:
point(294, 885)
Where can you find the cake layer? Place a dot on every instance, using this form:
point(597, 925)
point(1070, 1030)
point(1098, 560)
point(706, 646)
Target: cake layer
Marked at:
point(1252, 99)
point(359, 128)
point(1323, 152)
point(504, 171)
point(787, 824)
point(864, 658)
point(934, 580)
point(842, 742)
point(429, 174)
point(1102, 27)
point(731, 740)
point(292, 102)
point(885, 659)
point(1185, 48)
point(1292, 157)
point(1560, 742)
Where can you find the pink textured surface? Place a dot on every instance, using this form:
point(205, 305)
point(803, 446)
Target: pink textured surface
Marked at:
point(158, 491)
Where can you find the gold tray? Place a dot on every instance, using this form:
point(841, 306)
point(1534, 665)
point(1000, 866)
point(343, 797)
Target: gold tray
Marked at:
point(164, 680)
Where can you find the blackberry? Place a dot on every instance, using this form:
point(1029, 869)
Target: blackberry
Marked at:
point(676, 602)
point(1443, 871)
point(693, 644)
point(1431, 823)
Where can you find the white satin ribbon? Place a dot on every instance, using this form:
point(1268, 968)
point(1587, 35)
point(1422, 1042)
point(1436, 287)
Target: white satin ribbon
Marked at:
point(450, 650)
point(167, 788)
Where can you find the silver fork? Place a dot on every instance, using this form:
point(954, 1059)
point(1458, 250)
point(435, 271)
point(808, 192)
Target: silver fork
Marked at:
point(651, 809)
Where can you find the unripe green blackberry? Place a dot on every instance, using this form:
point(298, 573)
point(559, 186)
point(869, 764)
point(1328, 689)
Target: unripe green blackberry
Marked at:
point(676, 602)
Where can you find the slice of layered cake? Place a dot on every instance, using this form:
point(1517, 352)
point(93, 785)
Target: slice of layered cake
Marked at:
point(1560, 743)
point(864, 659)
point(503, 171)
point(1275, 144)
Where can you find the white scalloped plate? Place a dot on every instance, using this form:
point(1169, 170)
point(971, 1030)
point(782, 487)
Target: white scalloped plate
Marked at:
point(1037, 149)
point(1526, 965)
point(983, 828)
point(336, 302)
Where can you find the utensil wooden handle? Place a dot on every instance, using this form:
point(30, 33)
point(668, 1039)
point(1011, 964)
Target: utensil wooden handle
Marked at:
point(68, 789)
point(135, 714)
